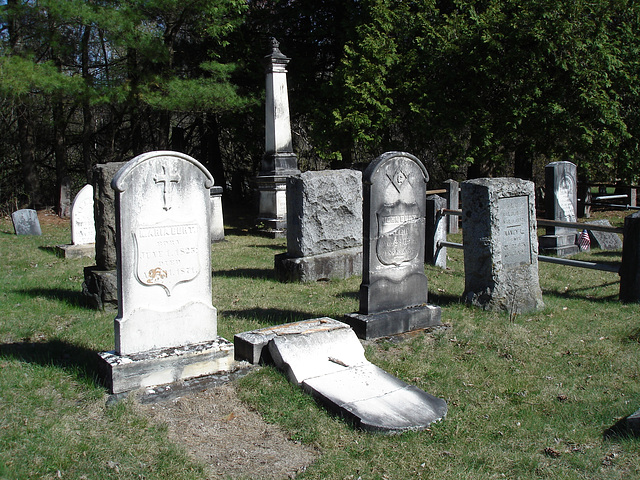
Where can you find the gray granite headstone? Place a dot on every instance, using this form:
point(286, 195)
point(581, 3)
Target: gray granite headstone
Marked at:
point(25, 222)
point(326, 359)
point(217, 216)
point(604, 240)
point(100, 282)
point(64, 205)
point(324, 226)
point(500, 247)
point(561, 204)
point(393, 293)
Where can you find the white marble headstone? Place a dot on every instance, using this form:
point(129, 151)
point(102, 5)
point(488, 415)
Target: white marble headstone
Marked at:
point(83, 227)
point(163, 244)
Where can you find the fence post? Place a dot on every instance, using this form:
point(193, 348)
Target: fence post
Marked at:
point(629, 271)
point(453, 203)
point(436, 231)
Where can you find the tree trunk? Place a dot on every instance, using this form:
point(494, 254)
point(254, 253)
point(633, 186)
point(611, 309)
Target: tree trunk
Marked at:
point(87, 113)
point(522, 163)
point(211, 154)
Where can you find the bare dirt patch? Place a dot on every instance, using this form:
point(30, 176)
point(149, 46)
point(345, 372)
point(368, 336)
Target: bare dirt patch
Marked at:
point(219, 430)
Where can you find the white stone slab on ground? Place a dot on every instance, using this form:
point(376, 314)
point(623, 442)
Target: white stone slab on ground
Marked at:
point(327, 360)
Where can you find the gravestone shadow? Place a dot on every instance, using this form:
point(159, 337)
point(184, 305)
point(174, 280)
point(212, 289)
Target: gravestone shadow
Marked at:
point(257, 273)
point(270, 316)
point(574, 293)
point(70, 297)
point(48, 249)
point(74, 359)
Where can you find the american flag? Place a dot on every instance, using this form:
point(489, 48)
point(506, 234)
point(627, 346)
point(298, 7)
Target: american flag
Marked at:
point(583, 241)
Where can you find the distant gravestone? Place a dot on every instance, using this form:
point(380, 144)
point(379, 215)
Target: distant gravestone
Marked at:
point(500, 247)
point(217, 217)
point(64, 204)
point(83, 230)
point(25, 222)
point(393, 293)
point(604, 240)
point(561, 204)
point(324, 226)
point(100, 282)
point(163, 214)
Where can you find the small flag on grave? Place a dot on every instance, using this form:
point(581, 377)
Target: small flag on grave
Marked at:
point(583, 241)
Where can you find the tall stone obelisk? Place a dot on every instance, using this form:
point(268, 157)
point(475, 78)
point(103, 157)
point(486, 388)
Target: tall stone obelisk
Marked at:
point(279, 161)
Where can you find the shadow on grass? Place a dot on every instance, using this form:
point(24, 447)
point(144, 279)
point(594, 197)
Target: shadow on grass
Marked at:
point(261, 273)
point(627, 427)
point(48, 249)
point(270, 316)
point(444, 300)
point(79, 361)
point(573, 293)
point(70, 297)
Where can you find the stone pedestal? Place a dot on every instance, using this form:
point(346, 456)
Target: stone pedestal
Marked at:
point(561, 204)
point(500, 247)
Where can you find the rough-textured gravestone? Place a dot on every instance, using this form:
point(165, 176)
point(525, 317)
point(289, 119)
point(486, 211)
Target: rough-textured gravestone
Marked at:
point(326, 359)
point(83, 229)
point(436, 232)
point(25, 222)
point(630, 264)
point(604, 240)
point(561, 203)
point(393, 293)
point(163, 215)
point(500, 245)
point(324, 226)
point(100, 282)
point(217, 217)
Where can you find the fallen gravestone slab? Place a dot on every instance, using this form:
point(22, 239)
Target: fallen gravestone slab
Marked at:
point(604, 240)
point(25, 222)
point(326, 359)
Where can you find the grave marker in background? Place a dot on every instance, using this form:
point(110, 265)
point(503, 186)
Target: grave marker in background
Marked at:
point(25, 222)
point(561, 204)
point(166, 328)
point(393, 293)
point(500, 245)
point(83, 229)
point(64, 200)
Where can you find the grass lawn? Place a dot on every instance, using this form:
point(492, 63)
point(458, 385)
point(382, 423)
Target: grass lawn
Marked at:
point(529, 396)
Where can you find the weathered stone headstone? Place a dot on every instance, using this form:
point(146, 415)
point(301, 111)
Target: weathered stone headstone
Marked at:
point(453, 203)
point(83, 229)
point(500, 245)
point(279, 162)
point(25, 222)
point(326, 359)
point(604, 240)
point(561, 203)
point(436, 232)
point(393, 293)
point(630, 264)
point(64, 201)
point(163, 214)
point(324, 226)
point(217, 216)
point(100, 282)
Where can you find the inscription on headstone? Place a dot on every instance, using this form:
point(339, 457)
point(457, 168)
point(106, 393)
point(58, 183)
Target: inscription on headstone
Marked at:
point(515, 230)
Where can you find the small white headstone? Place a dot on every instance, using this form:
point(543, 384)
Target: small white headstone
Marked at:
point(163, 212)
point(83, 227)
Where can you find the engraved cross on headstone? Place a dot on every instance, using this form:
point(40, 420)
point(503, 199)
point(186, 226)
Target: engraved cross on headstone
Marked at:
point(166, 180)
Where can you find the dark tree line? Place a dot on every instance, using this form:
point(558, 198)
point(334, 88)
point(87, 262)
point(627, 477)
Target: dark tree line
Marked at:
point(473, 88)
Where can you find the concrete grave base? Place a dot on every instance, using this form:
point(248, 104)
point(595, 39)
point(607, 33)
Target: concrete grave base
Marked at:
point(561, 245)
point(123, 373)
point(327, 360)
point(332, 265)
point(392, 322)
point(87, 250)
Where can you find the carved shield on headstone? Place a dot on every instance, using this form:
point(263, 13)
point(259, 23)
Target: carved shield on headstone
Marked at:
point(166, 255)
point(398, 233)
